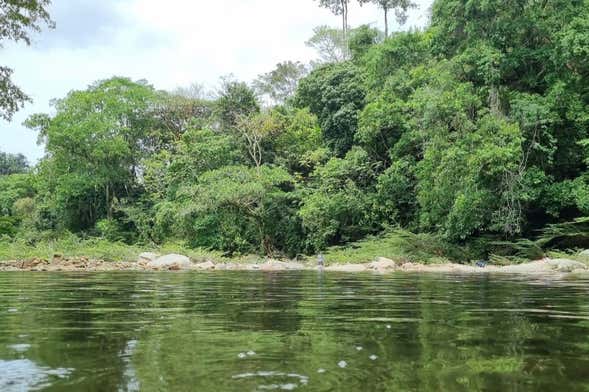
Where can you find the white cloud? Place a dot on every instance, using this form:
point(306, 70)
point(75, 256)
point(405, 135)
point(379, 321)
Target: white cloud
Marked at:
point(170, 44)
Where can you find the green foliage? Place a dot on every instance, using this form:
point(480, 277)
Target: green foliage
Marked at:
point(111, 230)
point(96, 142)
point(197, 152)
point(296, 141)
point(281, 83)
point(337, 209)
point(236, 100)
point(361, 40)
point(566, 235)
point(13, 188)
point(330, 44)
point(232, 208)
point(17, 20)
point(396, 200)
point(484, 160)
point(12, 163)
point(398, 245)
point(8, 226)
point(400, 52)
point(472, 132)
point(335, 94)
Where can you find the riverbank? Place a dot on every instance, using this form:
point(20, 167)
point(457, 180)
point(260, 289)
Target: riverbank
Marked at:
point(173, 262)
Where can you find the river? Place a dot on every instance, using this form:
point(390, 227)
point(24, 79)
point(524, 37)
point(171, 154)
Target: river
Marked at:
point(254, 331)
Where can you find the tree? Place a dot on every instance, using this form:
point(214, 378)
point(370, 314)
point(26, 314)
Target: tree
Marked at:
point(235, 100)
point(337, 207)
point(16, 193)
point(400, 8)
point(281, 83)
point(329, 44)
point(361, 40)
point(298, 146)
point(197, 152)
point(173, 115)
point(13, 188)
point(338, 7)
point(17, 19)
point(235, 208)
point(335, 94)
point(254, 129)
point(12, 164)
point(194, 91)
point(95, 143)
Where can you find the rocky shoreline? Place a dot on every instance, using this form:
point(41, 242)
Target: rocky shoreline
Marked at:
point(173, 262)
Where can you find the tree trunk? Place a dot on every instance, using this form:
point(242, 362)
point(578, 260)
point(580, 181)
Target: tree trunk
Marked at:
point(108, 208)
point(345, 25)
point(386, 22)
point(344, 22)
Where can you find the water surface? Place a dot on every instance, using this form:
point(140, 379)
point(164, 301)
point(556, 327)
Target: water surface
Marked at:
point(244, 331)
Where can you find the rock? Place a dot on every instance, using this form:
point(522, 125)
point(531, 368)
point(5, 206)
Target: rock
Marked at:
point(580, 271)
point(275, 265)
point(272, 265)
point(382, 264)
point(566, 265)
point(533, 267)
point(346, 268)
point(171, 261)
point(584, 253)
point(207, 265)
point(147, 257)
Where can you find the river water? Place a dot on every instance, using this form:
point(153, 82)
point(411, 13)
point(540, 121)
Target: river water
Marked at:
point(243, 331)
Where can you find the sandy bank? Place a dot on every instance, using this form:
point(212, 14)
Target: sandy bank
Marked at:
point(381, 265)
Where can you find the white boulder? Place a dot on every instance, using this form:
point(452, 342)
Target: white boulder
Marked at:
point(171, 261)
point(382, 264)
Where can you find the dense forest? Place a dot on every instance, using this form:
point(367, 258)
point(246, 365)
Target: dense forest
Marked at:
point(473, 130)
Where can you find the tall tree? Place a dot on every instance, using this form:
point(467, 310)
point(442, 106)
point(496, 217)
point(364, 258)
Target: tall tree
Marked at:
point(400, 8)
point(17, 19)
point(329, 44)
point(95, 143)
point(338, 7)
point(281, 83)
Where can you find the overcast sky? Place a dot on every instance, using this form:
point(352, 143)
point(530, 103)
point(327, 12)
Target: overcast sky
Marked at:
point(171, 44)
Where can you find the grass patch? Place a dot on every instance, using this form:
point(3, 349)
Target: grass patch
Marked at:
point(71, 246)
point(398, 245)
point(570, 254)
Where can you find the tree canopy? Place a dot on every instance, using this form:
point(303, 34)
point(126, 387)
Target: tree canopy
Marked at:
point(17, 19)
point(474, 130)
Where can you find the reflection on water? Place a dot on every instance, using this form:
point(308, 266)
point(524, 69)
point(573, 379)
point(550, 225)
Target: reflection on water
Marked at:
point(288, 331)
point(25, 375)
